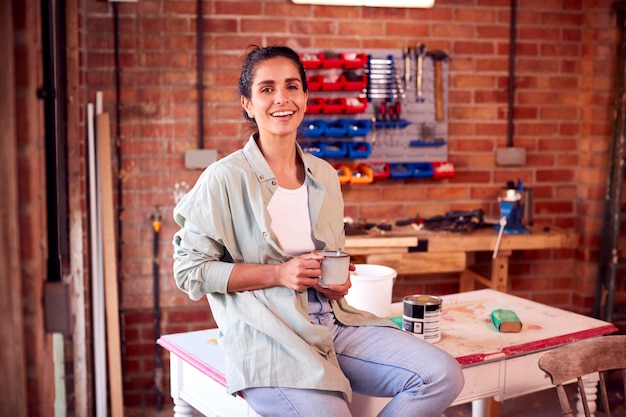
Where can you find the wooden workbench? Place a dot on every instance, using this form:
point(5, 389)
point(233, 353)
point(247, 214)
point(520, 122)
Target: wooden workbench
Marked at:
point(411, 251)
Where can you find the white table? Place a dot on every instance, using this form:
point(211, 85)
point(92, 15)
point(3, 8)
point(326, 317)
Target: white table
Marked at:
point(495, 365)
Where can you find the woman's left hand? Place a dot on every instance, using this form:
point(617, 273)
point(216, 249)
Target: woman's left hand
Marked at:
point(337, 292)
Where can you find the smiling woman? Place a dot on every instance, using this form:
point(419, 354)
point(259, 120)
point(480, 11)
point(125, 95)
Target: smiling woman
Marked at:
point(252, 229)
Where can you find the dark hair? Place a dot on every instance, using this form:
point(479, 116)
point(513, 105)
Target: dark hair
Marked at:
point(256, 54)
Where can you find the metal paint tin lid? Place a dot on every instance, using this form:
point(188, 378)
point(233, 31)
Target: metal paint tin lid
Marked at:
point(413, 304)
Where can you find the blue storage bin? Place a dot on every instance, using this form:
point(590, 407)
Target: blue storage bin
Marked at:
point(335, 149)
point(423, 170)
point(337, 128)
point(313, 128)
point(398, 170)
point(314, 148)
point(359, 127)
point(358, 150)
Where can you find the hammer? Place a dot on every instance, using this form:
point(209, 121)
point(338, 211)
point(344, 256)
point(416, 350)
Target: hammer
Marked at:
point(438, 57)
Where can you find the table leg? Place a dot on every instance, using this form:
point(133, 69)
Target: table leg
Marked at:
point(479, 407)
point(493, 408)
point(485, 407)
point(500, 271)
point(182, 409)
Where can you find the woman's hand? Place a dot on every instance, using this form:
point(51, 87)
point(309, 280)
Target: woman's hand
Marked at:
point(337, 292)
point(301, 272)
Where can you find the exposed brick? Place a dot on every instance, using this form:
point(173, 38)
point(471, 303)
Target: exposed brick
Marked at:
point(169, 24)
point(332, 13)
point(564, 96)
point(308, 27)
point(189, 7)
point(198, 315)
point(382, 211)
point(456, 31)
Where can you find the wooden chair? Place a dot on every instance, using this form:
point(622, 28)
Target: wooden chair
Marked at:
point(573, 361)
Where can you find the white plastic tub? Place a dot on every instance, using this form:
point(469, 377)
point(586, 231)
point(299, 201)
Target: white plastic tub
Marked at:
point(372, 287)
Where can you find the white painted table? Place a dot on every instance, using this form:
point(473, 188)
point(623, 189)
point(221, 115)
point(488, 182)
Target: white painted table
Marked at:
point(495, 365)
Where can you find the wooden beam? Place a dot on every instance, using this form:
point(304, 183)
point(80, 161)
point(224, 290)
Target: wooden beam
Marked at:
point(420, 262)
point(14, 398)
point(105, 168)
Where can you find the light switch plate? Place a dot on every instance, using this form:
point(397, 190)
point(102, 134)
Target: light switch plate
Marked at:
point(200, 158)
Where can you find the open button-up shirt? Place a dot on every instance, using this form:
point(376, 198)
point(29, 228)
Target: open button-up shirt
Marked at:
point(266, 334)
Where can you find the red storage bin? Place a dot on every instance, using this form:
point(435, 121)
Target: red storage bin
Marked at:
point(315, 82)
point(357, 83)
point(355, 105)
point(380, 170)
point(353, 60)
point(334, 106)
point(311, 60)
point(315, 105)
point(331, 60)
point(443, 169)
point(333, 82)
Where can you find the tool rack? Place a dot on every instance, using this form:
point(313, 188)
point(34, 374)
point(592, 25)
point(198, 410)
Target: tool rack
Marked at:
point(378, 114)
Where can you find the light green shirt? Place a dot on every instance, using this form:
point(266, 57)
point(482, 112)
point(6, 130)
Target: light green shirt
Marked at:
point(266, 334)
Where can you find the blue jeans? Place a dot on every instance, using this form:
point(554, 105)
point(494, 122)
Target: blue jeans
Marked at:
point(379, 361)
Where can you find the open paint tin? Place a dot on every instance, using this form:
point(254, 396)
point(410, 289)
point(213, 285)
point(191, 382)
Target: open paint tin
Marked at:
point(422, 316)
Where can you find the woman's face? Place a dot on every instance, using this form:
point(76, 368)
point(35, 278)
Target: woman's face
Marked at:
point(277, 101)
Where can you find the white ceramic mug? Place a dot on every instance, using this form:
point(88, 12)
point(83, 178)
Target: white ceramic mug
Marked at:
point(335, 267)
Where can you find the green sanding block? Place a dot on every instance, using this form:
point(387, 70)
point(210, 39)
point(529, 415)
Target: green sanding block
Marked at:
point(506, 321)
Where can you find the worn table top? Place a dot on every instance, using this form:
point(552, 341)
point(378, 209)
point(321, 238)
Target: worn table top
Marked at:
point(469, 335)
point(467, 331)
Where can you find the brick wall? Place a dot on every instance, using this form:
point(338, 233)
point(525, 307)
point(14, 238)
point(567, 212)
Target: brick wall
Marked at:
point(563, 117)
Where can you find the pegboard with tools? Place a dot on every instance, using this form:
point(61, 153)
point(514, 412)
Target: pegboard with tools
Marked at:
point(380, 108)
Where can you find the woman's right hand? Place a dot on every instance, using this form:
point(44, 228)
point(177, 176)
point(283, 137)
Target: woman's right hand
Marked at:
point(301, 272)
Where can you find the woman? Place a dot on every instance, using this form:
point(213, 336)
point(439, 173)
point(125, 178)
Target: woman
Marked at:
point(249, 230)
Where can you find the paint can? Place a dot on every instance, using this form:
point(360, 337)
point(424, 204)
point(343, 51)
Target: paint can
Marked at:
point(422, 316)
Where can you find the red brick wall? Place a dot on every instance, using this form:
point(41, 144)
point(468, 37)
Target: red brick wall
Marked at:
point(563, 117)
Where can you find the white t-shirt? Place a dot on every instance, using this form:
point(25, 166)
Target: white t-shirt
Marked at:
point(291, 221)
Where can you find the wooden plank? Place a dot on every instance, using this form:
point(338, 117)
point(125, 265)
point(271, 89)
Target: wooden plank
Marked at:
point(367, 241)
point(98, 319)
point(105, 168)
point(420, 262)
point(13, 357)
point(541, 237)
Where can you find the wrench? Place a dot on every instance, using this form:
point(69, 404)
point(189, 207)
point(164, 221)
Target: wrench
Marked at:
point(406, 54)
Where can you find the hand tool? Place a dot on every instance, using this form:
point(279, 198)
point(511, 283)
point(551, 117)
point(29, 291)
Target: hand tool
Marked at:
point(373, 131)
point(420, 53)
point(511, 202)
point(406, 55)
point(502, 224)
point(438, 58)
point(379, 73)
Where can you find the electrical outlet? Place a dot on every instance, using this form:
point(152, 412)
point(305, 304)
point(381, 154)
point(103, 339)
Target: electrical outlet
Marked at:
point(57, 307)
point(511, 157)
point(200, 158)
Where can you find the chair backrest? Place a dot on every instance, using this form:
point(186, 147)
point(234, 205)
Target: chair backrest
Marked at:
point(575, 360)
